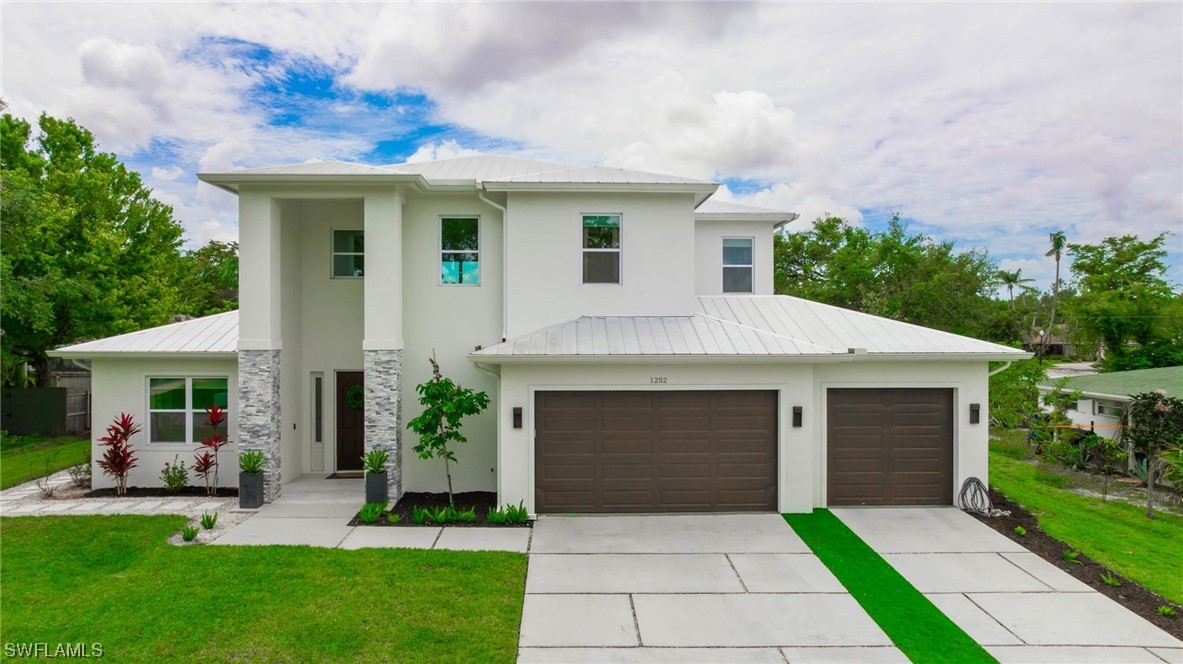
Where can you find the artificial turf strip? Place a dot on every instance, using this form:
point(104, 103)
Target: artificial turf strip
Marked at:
point(914, 624)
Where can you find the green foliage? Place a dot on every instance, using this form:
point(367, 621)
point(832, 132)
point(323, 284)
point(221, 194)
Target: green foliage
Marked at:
point(1072, 557)
point(23, 458)
point(189, 533)
point(88, 252)
point(893, 273)
point(374, 461)
point(1110, 579)
point(394, 518)
point(445, 405)
point(371, 512)
point(509, 514)
point(80, 475)
point(1154, 431)
point(1020, 531)
point(419, 515)
point(1166, 611)
point(210, 279)
point(209, 520)
point(175, 475)
point(465, 516)
point(1014, 396)
point(251, 461)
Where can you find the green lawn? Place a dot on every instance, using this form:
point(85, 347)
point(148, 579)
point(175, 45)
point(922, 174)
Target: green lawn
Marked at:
point(910, 620)
point(114, 580)
point(23, 458)
point(1114, 533)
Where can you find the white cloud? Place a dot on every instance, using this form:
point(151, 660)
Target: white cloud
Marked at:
point(449, 149)
point(167, 174)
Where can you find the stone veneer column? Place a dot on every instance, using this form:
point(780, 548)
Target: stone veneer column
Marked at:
point(383, 412)
point(258, 413)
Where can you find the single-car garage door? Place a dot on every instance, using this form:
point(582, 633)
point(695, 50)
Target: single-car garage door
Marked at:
point(670, 451)
point(889, 446)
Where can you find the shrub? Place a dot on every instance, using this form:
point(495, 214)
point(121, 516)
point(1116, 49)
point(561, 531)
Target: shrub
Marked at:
point(465, 516)
point(374, 461)
point(1013, 393)
point(118, 455)
point(1072, 557)
point(206, 461)
point(445, 404)
point(208, 519)
point(441, 515)
point(189, 533)
point(1155, 428)
point(175, 476)
point(509, 514)
point(80, 475)
point(251, 462)
point(1166, 611)
point(394, 518)
point(1020, 531)
point(370, 512)
point(1110, 579)
point(419, 515)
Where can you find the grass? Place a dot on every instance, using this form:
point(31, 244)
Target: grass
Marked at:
point(911, 621)
point(1114, 533)
point(23, 458)
point(114, 580)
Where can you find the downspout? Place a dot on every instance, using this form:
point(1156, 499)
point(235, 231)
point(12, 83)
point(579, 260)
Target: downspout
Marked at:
point(480, 192)
point(1004, 367)
point(486, 370)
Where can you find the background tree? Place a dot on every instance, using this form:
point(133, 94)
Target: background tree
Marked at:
point(1059, 241)
point(1012, 280)
point(210, 276)
point(87, 251)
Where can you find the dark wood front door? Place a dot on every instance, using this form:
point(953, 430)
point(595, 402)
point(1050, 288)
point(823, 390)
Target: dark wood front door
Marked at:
point(890, 446)
point(351, 423)
point(670, 451)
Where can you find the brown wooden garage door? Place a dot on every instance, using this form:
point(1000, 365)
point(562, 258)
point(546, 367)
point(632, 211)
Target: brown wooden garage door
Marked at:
point(889, 446)
point(655, 451)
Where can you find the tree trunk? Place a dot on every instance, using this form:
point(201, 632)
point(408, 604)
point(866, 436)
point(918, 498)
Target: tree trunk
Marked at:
point(448, 472)
point(1052, 321)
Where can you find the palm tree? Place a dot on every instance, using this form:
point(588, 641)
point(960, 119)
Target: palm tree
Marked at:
point(1059, 242)
point(1011, 280)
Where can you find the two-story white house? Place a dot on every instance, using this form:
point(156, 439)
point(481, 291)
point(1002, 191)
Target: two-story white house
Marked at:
point(623, 323)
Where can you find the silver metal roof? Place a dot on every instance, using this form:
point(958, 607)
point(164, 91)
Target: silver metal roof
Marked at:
point(205, 336)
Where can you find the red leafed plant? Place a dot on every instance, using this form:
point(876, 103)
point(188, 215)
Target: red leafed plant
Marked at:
point(118, 457)
point(205, 461)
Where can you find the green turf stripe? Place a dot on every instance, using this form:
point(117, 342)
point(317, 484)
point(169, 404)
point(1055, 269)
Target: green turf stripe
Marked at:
point(912, 622)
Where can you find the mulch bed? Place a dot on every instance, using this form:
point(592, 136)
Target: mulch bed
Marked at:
point(161, 492)
point(1130, 594)
point(481, 500)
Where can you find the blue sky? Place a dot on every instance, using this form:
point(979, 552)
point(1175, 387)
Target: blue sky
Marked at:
point(854, 110)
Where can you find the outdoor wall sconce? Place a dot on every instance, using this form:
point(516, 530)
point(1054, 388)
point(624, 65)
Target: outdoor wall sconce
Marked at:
point(517, 417)
point(975, 413)
point(796, 416)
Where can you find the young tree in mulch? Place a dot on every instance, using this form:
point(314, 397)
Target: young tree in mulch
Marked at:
point(205, 460)
point(118, 455)
point(1154, 430)
point(445, 404)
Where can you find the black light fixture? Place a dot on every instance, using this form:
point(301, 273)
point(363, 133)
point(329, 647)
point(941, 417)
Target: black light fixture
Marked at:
point(517, 417)
point(975, 413)
point(796, 416)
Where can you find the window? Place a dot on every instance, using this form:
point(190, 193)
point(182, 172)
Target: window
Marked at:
point(460, 251)
point(737, 265)
point(349, 261)
point(176, 408)
point(601, 248)
point(318, 381)
point(1110, 409)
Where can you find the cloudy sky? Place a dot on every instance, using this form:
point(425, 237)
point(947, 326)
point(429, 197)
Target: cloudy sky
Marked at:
point(990, 124)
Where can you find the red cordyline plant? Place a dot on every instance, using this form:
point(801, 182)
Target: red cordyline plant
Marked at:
point(118, 457)
point(205, 461)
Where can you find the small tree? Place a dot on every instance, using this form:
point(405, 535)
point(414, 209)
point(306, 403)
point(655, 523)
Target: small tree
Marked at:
point(1154, 427)
point(205, 461)
point(445, 404)
point(118, 457)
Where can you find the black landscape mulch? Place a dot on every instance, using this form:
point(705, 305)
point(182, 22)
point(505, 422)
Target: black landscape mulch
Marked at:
point(1130, 594)
point(161, 492)
point(481, 500)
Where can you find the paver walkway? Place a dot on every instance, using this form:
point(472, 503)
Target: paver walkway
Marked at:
point(1020, 607)
point(26, 500)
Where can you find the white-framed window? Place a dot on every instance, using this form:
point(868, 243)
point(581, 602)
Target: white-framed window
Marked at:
point(737, 265)
point(601, 248)
point(349, 260)
point(460, 251)
point(176, 407)
point(1110, 409)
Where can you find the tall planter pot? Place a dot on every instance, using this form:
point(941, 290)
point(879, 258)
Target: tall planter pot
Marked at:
point(377, 490)
point(250, 490)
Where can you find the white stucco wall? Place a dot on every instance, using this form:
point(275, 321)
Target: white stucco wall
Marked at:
point(121, 386)
point(545, 264)
point(708, 252)
point(801, 452)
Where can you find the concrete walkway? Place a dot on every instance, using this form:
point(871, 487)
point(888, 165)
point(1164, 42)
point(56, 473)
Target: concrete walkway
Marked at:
point(314, 511)
point(26, 499)
point(1016, 604)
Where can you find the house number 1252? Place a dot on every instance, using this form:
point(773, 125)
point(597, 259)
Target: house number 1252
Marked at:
point(656, 379)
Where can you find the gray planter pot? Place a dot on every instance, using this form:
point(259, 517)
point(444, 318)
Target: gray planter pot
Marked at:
point(376, 488)
point(250, 490)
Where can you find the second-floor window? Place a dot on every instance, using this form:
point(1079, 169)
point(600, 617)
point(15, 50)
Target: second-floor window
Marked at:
point(737, 265)
point(601, 248)
point(460, 251)
point(349, 261)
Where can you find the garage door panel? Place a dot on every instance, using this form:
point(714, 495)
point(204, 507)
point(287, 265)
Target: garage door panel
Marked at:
point(656, 451)
point(889, 446)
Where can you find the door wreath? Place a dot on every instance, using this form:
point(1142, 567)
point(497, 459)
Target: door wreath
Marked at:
point(355, 397)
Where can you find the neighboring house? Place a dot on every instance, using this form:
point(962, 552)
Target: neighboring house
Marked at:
point(623, 323)
point(1103, 396)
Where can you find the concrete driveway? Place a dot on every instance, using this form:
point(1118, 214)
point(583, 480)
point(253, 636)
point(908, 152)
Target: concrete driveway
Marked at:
point(745, 588)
